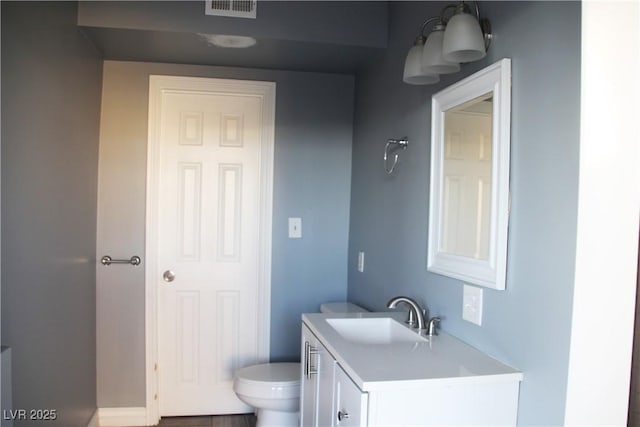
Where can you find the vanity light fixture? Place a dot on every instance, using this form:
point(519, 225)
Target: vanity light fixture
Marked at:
point(414, 72)
point(459, 38)
point(433, 60)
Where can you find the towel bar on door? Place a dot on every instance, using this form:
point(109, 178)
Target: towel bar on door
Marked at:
point(107, 260)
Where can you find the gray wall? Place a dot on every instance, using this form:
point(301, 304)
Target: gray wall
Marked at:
point(313, 137)
point(51, 81)
point(528, 325)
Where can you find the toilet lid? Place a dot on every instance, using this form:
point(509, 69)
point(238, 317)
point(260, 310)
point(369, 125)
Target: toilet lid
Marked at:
point(276, 374)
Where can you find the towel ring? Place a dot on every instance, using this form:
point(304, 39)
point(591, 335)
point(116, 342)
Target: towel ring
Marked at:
point(393, 145)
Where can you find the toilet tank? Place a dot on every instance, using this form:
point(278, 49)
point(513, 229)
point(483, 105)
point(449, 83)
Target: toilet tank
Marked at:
point(341, 307)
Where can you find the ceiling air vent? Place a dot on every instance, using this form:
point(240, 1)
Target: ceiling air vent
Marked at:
point(235, 8)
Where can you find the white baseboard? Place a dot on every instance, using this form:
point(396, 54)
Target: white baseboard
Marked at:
point(93, 422)
point(118, 417)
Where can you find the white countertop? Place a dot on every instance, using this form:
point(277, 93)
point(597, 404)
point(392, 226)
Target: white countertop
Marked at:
point(439, 360)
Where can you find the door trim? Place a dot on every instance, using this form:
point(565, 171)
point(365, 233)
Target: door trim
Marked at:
point(163, 84)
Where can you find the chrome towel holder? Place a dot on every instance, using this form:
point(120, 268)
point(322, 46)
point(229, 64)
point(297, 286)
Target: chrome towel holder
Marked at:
point(394, 145)
point(107, 260)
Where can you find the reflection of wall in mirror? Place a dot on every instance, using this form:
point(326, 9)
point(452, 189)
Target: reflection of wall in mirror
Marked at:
point(466, 200)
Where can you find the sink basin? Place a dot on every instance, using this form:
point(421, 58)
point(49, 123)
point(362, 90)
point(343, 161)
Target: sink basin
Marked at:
point(381, 330)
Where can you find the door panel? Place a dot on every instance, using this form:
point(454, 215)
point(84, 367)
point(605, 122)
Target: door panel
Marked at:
point(209, 228)
point(309, 379)
point(351, 403)
point(467, 182)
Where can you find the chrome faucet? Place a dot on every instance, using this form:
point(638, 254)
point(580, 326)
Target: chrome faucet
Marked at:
point(432, 326)
point(415, 312)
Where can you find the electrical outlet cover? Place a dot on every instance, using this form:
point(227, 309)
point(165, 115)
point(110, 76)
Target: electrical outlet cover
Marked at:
point(361, 262)
point(472, 304)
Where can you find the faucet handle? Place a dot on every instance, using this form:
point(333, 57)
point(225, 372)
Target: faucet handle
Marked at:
point(411, 318)
point(432, 326)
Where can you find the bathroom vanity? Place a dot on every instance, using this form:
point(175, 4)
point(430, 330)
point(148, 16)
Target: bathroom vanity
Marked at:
point(368, 369)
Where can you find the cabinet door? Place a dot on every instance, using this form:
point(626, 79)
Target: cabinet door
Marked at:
point(326, 369)
point(316, 393)
point(350, 407)
point(309, 380)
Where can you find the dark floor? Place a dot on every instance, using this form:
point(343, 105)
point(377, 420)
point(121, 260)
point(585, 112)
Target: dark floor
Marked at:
point(247, 420)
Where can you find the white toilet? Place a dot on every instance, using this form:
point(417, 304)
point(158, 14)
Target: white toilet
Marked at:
point(274, 388)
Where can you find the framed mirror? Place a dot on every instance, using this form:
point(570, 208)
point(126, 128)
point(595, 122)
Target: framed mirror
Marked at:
point(469, 197)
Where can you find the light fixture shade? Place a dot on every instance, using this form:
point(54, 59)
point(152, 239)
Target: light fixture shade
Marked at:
point(414, 74)
point(463, 40)
point(432, 60)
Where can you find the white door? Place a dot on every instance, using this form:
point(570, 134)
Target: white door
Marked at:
point(209, 242)
point(467, 181)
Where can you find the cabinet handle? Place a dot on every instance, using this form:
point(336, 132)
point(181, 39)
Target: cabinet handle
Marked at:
point(342, 415)
point(309, 350)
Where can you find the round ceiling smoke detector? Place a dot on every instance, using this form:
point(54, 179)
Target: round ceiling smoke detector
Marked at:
point(223, 40)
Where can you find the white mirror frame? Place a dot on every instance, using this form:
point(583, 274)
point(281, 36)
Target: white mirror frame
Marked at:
point(491, 272)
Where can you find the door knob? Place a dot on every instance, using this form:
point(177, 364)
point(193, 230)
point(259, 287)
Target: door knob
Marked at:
point(168, 276)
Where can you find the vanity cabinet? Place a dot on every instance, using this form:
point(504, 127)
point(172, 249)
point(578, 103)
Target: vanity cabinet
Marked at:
point(437, 381)
point(328, 397)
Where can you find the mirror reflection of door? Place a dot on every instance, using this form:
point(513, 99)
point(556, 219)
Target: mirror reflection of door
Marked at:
point(466, 198)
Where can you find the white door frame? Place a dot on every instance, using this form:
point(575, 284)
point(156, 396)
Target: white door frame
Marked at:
point(165, 84)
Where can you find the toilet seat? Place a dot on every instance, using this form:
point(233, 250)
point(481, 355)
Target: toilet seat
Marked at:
point(269, 380)
point(281, 374)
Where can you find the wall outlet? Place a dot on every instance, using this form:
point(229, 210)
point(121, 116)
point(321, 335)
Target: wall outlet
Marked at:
point(472, 304)
point(295, 228)
point(361, 262)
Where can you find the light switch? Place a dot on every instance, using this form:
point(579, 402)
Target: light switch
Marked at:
point(472, 304)
point(295, 228)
